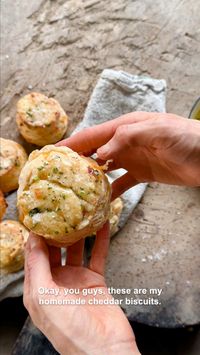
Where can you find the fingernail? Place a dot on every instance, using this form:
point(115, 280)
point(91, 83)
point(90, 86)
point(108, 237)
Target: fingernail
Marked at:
point(103, 151)
point(33, 241)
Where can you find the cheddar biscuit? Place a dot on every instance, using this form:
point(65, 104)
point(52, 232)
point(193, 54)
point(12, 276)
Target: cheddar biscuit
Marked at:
point(115, 213)
point(63, 196)
point(12, 159)
point(13, 237)
point(41, 120)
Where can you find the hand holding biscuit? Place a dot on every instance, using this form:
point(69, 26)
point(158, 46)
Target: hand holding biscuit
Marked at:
point(82, 328)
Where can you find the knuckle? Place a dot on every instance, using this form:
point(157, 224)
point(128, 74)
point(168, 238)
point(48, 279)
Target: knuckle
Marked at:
point(122, 133)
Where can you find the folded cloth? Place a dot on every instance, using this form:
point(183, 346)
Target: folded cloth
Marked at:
point(115, 94)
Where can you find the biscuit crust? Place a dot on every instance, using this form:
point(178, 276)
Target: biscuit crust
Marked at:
point(12, 159)
point(63, 196)
point(13, 238)
point(116, 207)
point(41, 120)
point(3, 205)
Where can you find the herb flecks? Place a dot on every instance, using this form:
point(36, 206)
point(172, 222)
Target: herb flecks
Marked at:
point(36, 178)
point(29, 113)
point(82, 192)
point(17, 163)
point(34, 211)
point(55, 170)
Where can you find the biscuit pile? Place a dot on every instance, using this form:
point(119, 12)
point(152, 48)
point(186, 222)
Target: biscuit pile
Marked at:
point(62, 196)
point(41, 120)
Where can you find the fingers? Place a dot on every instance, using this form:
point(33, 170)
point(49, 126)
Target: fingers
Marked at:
point(90, 139)
point(100, 250)
point(75, 253)
point(122, 184)
point(26, 291)
point(54, 256)
point(37, 267)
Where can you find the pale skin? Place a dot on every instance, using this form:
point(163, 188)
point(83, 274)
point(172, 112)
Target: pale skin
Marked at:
point(75, 329)
point(151, 147)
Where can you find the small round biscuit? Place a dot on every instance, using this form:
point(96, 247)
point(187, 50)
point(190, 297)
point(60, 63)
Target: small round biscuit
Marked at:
point(12, 159)
point(115, 213)
point(63, 196)
point(3, 205)
point(41, 120)
point(13, 238)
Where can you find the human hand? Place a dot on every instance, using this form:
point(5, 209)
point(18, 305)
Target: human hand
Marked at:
point(150, 146)
point(75, 329)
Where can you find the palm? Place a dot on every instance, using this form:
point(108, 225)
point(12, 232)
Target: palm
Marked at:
point(94, 318)
point(77, 277)
point(75, 326)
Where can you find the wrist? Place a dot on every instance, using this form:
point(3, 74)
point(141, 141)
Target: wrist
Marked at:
point(125, 348)
point(99, 347)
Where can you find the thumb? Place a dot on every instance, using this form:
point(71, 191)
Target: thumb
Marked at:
point(37, 266)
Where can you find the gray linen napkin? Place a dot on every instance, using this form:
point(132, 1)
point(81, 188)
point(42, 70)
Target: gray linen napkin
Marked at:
point(115, 94)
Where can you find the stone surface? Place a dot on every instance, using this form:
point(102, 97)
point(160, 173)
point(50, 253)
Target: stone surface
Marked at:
point(60, 48)
point(159, 248)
